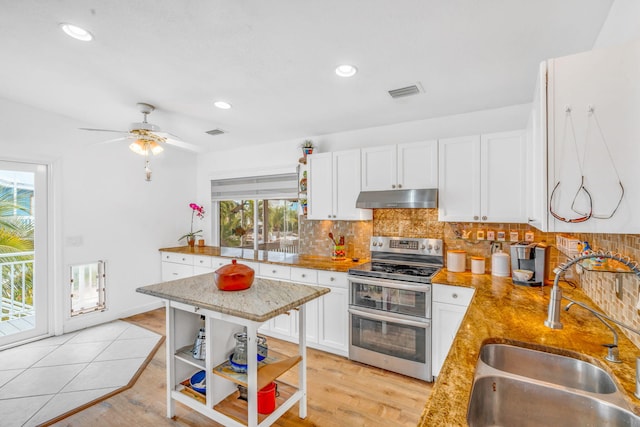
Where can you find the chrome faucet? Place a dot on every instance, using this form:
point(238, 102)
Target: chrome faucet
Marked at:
point(555, 302)
point(555, 298)
point(612, 349)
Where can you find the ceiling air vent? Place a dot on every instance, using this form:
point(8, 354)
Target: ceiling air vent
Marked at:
point(215, 132)
point(405, 91)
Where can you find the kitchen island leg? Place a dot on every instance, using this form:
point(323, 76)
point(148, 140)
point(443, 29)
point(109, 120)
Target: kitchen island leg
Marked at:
point(252, 374)
point(170, 344)
point(302, 367)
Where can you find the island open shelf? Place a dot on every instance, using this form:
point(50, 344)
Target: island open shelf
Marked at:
point(268, 370)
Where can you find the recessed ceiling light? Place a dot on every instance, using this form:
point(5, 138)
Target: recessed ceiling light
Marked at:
point(76, 32)
point(346, 70)
point(222, 105)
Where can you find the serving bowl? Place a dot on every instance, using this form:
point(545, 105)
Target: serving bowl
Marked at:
point(234, 277)
point(522, 275)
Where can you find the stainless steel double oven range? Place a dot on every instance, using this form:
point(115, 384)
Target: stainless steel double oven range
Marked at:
point(390, 305)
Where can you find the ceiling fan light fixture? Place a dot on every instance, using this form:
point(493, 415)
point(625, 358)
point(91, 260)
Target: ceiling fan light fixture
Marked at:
point(346, 70)
point(223, 105)
point(143, 147)
point(76, 32)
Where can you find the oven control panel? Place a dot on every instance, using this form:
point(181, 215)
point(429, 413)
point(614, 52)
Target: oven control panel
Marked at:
point(407, 245)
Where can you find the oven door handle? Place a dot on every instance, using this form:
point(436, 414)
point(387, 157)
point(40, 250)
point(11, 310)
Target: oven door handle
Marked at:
point(425, 288)
point(422, 325)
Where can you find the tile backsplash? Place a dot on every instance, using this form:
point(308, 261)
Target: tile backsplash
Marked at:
point(599, 286)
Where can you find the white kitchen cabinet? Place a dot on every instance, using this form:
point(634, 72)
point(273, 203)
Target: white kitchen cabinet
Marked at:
point(536, 137)
point(607, 81)
point(333, 313)
point(334, 186)
point(403, 166)
point(449, 306)
point(176, 266)
point(482, 178)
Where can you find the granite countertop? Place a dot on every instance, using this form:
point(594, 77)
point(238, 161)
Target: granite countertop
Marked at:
point(292, 260)
point(262, 301)
point(503, 312)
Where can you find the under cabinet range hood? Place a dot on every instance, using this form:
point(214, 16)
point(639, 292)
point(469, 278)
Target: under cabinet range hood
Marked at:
point(422, 198)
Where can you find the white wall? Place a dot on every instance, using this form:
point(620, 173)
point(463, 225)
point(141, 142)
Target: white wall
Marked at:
point(622, 24)
point(102, 206)
point(248, 161)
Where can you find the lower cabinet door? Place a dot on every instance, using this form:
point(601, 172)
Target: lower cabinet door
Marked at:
point(282, 324)
point(334, 326)
point(446, 321)
point(311, 309)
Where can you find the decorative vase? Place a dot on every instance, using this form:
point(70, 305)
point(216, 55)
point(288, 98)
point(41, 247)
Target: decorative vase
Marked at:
point(306, 151)
point(191, 241)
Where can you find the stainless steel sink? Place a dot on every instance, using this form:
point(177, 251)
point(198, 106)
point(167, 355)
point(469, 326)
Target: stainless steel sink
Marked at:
point(506, 401)
point(517, 386)
point(549, 367)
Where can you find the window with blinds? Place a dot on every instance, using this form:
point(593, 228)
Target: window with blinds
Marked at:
point(259, 213)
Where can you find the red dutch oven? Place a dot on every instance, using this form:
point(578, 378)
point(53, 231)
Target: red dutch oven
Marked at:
point(234, 277)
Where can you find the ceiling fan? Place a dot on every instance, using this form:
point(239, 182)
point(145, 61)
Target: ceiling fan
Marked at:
point(146, 137)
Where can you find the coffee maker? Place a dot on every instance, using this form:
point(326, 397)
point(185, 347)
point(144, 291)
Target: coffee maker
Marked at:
point(530, 256)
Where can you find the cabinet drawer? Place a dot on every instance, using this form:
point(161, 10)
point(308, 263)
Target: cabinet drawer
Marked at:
point(275, 271)
point(177, 258)
point(452, 294)
point(253, 265)
point(202, 261)
point(333, 278)
point(217, 262)
point(304, 275)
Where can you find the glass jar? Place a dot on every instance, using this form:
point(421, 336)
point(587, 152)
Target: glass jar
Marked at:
point(240, 352)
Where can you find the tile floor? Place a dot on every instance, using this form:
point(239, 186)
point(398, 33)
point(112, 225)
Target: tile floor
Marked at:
point(44, 379)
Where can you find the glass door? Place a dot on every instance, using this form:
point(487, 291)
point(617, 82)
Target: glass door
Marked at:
point(23, 252)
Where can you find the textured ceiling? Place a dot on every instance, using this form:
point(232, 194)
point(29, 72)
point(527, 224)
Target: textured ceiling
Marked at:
point(274, 60)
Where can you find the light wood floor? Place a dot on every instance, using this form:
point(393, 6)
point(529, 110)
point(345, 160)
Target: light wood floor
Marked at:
point(340, 393)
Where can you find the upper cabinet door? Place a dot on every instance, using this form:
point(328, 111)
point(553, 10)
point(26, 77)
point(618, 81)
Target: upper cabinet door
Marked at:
point(536, 143)
point(459, 179)
point(346, 186)
point(334, 186)
point(606, 139)
point(503, 177)
point(320, 186)
point(418, 165)
point(379, 168)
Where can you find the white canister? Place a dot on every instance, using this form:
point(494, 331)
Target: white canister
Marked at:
point(477, 265)
point(500, 264)
point(456, 261)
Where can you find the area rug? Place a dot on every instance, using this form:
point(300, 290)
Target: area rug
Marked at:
point(47, 380)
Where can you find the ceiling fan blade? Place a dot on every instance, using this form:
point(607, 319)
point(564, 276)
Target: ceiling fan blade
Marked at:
point(124, 138)
point(184, 145)
point(103, 130)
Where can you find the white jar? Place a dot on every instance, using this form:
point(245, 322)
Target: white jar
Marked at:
point(500, 264)
point(477, 265)
point(456, 261)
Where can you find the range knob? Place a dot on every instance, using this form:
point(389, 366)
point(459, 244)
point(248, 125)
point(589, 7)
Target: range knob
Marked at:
point(424, 247)
point(437, 247)
point(430, 247)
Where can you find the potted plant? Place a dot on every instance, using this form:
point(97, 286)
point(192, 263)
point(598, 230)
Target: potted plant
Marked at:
point(307, 147)
point(196, 211)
